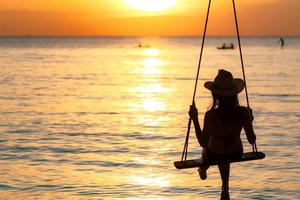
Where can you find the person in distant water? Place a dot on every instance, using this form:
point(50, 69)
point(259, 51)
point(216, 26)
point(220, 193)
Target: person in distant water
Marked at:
point(220, 136)
point(223, 46)
point(140, 45)
point(282, 42)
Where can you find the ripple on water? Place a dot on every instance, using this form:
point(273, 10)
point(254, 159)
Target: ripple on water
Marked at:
point(21, 131)
point(6, 187)
point(109, 164)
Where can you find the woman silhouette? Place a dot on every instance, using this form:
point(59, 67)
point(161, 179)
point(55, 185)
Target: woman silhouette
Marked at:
point(220, 137)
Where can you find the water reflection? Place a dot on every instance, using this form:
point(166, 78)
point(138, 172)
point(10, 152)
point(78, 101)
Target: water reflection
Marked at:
point(151, 63)
point(152, 66)
point(149, 93)
point(150, 180)
point(149, 97)
point(152, 105)
point(143, 89)
point(152, 52)
point(147, 160)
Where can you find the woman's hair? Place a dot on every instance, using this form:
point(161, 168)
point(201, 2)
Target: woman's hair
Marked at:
point(228, 106)
point(225, 102)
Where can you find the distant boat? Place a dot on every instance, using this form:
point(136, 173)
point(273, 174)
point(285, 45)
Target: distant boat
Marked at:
point(225, 46)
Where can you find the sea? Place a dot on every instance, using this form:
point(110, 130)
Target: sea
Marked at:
point(102, 118)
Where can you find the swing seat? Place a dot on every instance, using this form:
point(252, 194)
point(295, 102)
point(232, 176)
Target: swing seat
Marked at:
point(199, 162)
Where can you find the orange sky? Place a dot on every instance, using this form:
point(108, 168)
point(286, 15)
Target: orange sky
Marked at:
point(116, 17)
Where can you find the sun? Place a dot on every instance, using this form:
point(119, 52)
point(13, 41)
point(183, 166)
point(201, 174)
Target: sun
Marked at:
point(151, 5)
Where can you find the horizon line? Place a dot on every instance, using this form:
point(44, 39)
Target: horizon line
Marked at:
point(147, 36)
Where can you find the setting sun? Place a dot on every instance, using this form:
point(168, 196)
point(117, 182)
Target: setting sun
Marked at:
point(151, 5)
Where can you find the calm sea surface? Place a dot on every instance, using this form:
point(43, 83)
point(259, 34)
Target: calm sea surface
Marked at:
point(99, 118)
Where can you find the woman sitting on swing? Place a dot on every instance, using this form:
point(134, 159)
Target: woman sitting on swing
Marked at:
point(220, 137)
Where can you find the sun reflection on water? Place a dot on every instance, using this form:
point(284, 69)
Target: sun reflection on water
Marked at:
point(151, 88)
point(149, 97)
point(151, 180)
point(151, 52)
point(152, 105)
point(152, 66)
point(150, 93)
point(148, 160)
point(149, 105)
point(152, 62)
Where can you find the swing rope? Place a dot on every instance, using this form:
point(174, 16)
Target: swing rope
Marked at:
point(186, 144)
point(185, 149)
point(240, 50)
point(254, 147)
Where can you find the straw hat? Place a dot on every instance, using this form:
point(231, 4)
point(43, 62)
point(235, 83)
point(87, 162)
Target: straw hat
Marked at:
point(224, 84)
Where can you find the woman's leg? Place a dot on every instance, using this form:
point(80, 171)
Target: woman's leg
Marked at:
point(203, 168)
point(224, 172)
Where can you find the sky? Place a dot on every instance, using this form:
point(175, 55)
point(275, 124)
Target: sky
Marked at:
point(129, 17)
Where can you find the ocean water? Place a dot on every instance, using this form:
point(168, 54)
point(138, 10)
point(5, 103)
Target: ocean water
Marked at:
point(99, 118)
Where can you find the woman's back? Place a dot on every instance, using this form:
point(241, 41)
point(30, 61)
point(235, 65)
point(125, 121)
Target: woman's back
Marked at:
point(222, 132)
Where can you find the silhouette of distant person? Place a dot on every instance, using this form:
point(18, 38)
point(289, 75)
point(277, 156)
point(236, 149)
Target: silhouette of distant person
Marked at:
point(220, 136)
point(282, 42)
point(226, 46)
point(140, 45)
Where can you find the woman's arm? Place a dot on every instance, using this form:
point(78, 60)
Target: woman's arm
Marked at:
point(248, 126)
point(201, 136)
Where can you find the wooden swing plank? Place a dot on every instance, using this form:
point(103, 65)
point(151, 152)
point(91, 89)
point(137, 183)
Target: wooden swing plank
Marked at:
point(199, 162)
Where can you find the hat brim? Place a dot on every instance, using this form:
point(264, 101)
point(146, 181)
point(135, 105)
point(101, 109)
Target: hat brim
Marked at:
point(239, 86)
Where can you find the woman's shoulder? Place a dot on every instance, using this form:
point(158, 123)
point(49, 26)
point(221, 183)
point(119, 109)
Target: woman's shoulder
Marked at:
point(210, 113)
point(243, 109)
point(245, 112)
